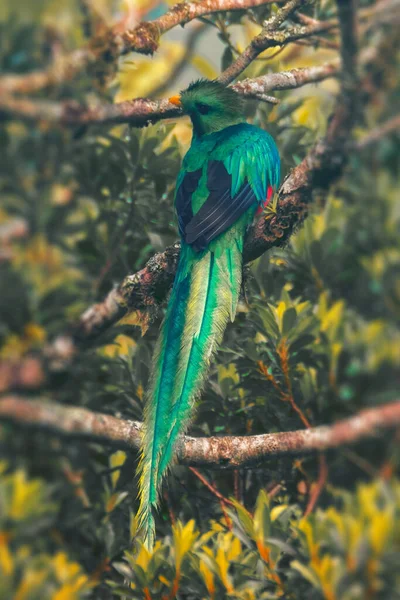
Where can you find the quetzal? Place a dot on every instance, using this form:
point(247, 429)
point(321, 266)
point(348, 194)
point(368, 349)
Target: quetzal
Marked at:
point(229, 171)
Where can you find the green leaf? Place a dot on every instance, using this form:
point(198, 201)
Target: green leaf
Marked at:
point(288, 321)
point(227, 58)
point(244, 518)
point(262, 516)
point(268, 320)
point(306, 572)
point(300, 342)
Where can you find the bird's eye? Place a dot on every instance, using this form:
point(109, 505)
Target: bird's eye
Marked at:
point(203, 109)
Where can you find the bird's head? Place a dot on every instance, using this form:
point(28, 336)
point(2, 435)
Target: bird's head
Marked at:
point(210, 105)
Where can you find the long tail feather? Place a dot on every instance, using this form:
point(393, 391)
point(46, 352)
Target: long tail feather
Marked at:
point(204, 297)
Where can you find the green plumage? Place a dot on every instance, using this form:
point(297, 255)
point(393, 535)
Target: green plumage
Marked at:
point(206, 288)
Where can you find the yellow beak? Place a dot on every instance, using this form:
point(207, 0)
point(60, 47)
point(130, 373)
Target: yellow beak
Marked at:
point(175, 100)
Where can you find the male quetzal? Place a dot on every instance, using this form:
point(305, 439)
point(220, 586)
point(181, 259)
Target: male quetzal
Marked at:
point(230, 170)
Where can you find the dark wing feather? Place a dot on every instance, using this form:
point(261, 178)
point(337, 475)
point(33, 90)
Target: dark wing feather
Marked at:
point(183, 198)
point(220, 210)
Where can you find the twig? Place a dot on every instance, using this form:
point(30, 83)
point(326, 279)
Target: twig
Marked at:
point(171, 513)
point(210, 487)
point(390, 126)
point(270, 36)
point(222, 452)
point(274, 490)
point(283, 352)
point(316, 488)
point(224, 502)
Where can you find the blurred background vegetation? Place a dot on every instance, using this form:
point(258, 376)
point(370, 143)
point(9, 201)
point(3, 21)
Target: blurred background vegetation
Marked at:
point(321, 322)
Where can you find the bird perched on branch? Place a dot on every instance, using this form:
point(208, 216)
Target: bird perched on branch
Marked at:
point(230, 170)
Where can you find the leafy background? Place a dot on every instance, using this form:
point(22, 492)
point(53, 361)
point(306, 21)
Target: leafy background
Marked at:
point(320, 327)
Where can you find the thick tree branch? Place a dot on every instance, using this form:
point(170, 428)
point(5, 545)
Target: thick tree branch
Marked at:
point(141, 111)
point(146, 36)
point(138, 112)
point(221, 452)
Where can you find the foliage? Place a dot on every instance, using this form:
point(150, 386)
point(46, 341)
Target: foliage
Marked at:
point(27, 571)
point(346, 551)
point(317, 340)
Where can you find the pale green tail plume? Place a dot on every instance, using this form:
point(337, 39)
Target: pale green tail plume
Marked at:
point(203, 299)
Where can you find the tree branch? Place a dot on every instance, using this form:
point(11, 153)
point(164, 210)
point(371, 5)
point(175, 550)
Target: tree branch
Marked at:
point(285, 80)
point(271, 36)
point(62, 69)
point(146, 36)
point(138, 112)
point(220, 452)
point(141, 111)
point(109, 43)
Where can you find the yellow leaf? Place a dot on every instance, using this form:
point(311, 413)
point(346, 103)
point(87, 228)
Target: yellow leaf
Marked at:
point(6, 560)
point(138, 318)
point(182, 133)
point(140, 78)
point(184, 539)
point(24, 494)
point(312, 112)
point(44, 265)
point(35, 333)
point(208, 577)
point(333, 319)
point(116, 460)
point(32, 579)
point(381, 527)
point(262, 516)
point(228, 372)
point(64, 570)
point(278, 510)
point(234, 547)
point(280, 309)
point(222, 560)
point(71, 590)
point(307, 529)
point(121, 346)
point(144, 556)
